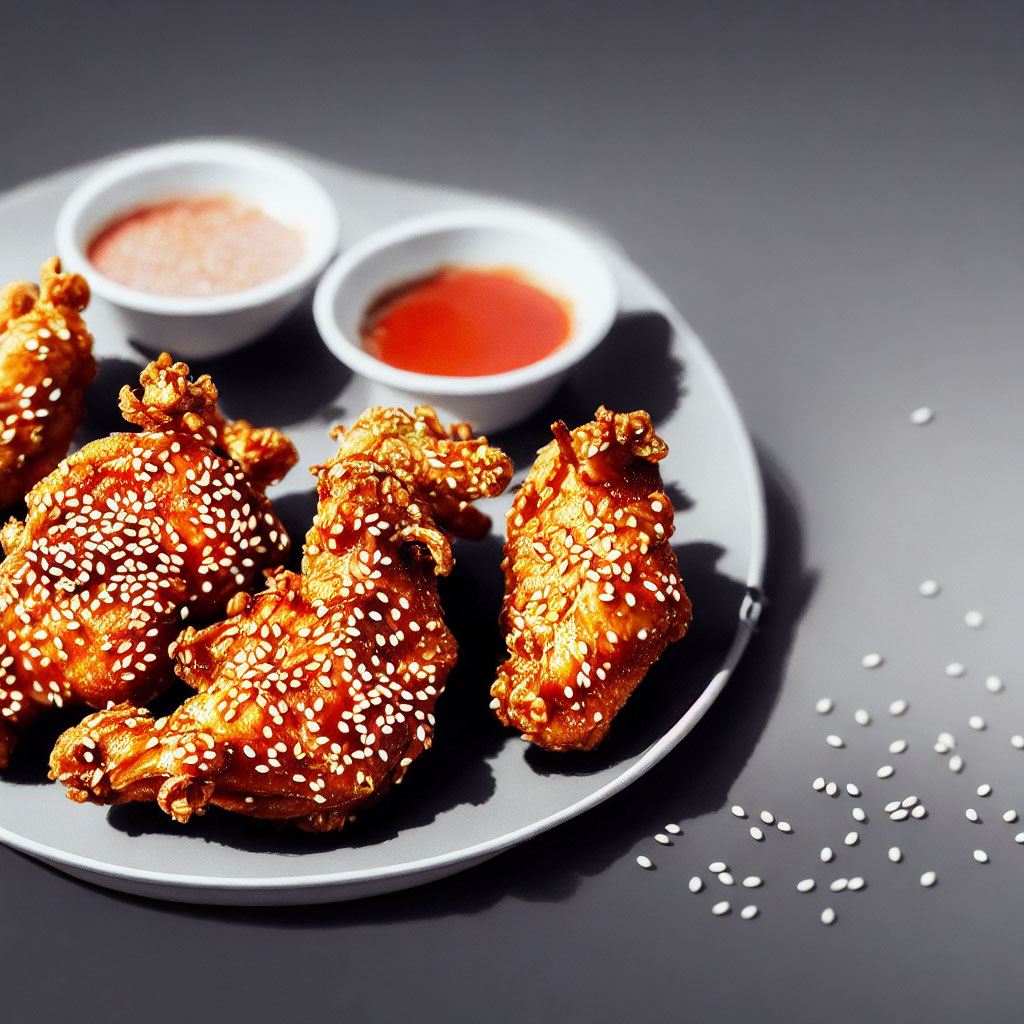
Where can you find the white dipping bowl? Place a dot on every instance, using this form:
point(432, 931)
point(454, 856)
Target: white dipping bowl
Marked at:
point(195, 327)
point(548, 253)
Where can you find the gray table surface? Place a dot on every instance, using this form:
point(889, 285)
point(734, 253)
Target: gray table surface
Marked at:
point(832, 195)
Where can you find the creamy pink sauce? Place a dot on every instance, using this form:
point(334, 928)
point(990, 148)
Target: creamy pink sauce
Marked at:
point(196, 246)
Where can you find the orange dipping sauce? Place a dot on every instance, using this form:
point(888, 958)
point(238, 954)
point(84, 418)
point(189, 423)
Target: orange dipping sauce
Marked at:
point(195, 246)
point(465, 322)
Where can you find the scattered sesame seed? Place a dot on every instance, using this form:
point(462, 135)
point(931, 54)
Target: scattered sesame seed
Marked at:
point(898, 707)
point(695, 884)
point(981, 856)
point(756, 834)
point(891, 806)
point(752, 882)
point(1019, 837)
point(972, 815)
point(785, 827)
point(1010, 816)
point(805, 885)
point(767, 817)
point(673, 829)
point(900, 814)
point(895, 854)
point(919, 811)
point(748, 913)
point(823, 706)
point(859, 814)
point(738, 811)
point(663, 839)
point(974, 619)
point(856, 883)
point(872, 660)
point(948, 739)
point(726, 878)
point(818, 784)
point(993, 684)
point(838, 884)
point(828, 916)
point(922, 415)
point(897, 746)
point(976, 722)
point(886, 771)
point(956, 763)
point(645, 862)
point(928, 879)
point(1017, 741)
point(826, 855)
point(720, 908)
point(832, 789)
point(718, 866)
point(955, 670)
point(853, 789)
point(834, 741)
point(861, 717)
point(984, 789)
point(928, 588)
point(852, 838)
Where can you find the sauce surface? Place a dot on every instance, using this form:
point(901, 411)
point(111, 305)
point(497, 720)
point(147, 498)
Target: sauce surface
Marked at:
point(465, 322)
point(195, 246)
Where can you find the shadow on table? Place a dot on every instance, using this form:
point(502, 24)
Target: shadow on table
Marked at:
point(714, 753)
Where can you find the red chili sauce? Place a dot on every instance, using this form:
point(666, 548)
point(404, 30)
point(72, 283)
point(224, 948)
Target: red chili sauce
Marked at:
point(465, 322)
point(195, 246)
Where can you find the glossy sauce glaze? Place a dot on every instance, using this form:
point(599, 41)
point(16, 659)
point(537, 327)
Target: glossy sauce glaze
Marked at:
point(195, 246)
point(465, 322)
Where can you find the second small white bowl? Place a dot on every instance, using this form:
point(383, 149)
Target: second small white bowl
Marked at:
point(203, 326)
point(547, 252)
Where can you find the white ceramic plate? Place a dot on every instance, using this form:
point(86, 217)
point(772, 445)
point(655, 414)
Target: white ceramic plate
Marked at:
point(479, 790)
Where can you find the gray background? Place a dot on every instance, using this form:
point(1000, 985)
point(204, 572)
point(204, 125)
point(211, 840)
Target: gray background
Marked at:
point(832, 195)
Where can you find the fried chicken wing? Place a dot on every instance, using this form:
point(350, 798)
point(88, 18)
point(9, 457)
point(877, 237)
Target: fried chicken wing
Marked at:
point(592, 588)
point(127, 538)
point(318, 693)
point(46, 365)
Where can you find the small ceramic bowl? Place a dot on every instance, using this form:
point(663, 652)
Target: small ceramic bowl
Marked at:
point(547, 253)
point(208, 325)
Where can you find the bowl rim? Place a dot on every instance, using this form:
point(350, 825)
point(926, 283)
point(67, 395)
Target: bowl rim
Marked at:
point(409, 229)
point(118, 170)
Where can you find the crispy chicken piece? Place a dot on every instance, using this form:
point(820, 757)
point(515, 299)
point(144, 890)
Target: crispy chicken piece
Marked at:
point(127, 538)
point(592, 588)
point(319, 692)
point(46, 365)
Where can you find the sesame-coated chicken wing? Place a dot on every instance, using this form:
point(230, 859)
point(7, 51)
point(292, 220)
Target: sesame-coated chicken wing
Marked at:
point(126, 539)
point(46, 365)
point(318, 693)
point(592, 588)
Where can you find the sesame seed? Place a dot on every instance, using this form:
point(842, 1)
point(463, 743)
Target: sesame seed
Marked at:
point(818, 784)
point(720, 908)
point(785, 827)
point(955, 670)
point(897, 746)
point(993, 684)
point(826, 855)
point(673, 829)
point(886, 771)
point(984, 789)
point(974, 619)
point(859, 814)
point(748, 913)
point(828, 916)
point(752, 882)
point(872, 660)
point(956, 763)
point(717, 867)
point(1019, 837)
point(834, 741)
point(898, 707)
point(645, 862)
point(832, 789)
point(928, 588)
point(900, 814)
point(1017, 741)
point(852, 838)
point(726, 878)
point(738, 811)
point(861, 717)
point(947, 739)
point(976, 722)
point(805, 885)
point(838, 884)
point(756, 834)
point(928, 879)
point(981, 856)
point(695, 884)
point(1009, 817)
point(972, 815)
point(922, 416)
point(853, 789)
point(663, 839)
point(895, 854)
point(823, 705)
point(856, 883)
point(767, 817)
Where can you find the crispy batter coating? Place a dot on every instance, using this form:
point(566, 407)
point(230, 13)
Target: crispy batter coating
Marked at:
point(46, 365)
point(592, 588)
point(127, 538)
point(318, 693)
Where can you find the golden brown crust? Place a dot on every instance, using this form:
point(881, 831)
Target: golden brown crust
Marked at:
point(592, 588)
point(319, 692)
point(46, 366)
point(122, 542)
